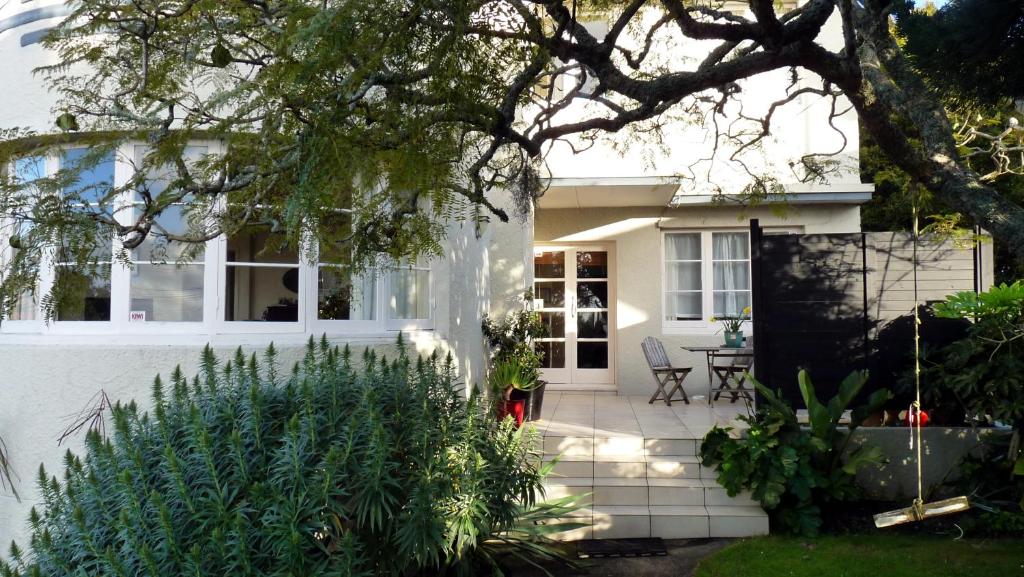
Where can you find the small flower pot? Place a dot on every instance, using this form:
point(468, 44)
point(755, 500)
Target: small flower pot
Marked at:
point(734, 339)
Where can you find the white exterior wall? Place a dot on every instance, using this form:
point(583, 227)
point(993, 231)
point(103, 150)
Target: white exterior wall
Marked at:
point(25, 101)
point(45, 380)
point(636, 233)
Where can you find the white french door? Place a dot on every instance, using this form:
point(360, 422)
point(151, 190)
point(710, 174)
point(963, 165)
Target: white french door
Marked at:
point(574, 291)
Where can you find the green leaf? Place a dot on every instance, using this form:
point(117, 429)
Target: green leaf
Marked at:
point(220, 56)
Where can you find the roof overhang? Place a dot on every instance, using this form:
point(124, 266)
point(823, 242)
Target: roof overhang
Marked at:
point(659, 191)
point(608, 192)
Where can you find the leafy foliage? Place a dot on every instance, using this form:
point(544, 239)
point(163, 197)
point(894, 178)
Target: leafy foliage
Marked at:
point(994, 480)
point(985, 370)
point(511, 339)
point(330, 470)
point(794, 471)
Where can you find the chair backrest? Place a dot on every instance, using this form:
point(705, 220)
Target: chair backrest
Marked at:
point(654, 351)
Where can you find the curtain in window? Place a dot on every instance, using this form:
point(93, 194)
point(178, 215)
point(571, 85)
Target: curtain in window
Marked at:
point(364, 298)
point(731, 263)
point(410, 294)
point(682, 274)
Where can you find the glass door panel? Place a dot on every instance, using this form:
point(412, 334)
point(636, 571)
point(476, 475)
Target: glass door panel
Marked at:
point(592, 315)
point(550, 290)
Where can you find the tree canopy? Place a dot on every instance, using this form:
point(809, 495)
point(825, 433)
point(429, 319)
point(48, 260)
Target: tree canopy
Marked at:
point(965, 52)
point(371, 124)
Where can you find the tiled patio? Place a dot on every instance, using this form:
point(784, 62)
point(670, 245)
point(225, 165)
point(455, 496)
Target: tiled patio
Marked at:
point(602, 415)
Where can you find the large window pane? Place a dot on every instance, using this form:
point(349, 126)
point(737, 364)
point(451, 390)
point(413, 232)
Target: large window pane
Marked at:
point(258, 244)
point(683, 306)
point(554, 324)
point(24, 308)
point(551, 294)
point(592, 325)
point(731, 303)
point(552, 354)
point(95, 177)
point(730, 246)
point(592, 264)
point(261, 293)
point(159, 178)
point(592, 295)
point(82, 296)
point(29, 169)
point(682, 246)
point(410, 294)
point(549, 265)
point(732, 275)
point(682, 276)
point(592, 355)
point(342, 298)
point(167, 293)
point(175, 220)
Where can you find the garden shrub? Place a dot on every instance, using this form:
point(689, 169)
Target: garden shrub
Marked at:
point(792, 470)
point(331, 470)
point(985, 370)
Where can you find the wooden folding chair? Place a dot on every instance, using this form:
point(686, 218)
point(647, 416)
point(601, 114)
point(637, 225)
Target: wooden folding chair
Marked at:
point(663, 372)
point(731, 369)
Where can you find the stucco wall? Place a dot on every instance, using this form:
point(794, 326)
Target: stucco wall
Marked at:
point(43, 387)
point(47, 379)
point(636, 233)
point(25, 101)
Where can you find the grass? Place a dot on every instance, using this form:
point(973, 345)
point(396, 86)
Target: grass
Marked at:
point(866, 556)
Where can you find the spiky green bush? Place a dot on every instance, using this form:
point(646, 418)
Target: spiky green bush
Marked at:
point(332, 470)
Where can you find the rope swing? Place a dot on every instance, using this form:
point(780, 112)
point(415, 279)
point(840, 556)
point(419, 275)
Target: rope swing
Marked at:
point(918, 510)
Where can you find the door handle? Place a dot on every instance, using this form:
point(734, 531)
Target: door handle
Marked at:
point(572, 306)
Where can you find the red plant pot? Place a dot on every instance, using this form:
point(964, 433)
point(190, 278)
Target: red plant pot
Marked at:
point(514, 407)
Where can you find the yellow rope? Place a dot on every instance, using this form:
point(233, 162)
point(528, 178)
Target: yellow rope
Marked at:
point(915, 413)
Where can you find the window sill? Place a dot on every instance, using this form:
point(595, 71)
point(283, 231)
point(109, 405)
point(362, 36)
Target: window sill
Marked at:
point(699, 328)
point(216, 340)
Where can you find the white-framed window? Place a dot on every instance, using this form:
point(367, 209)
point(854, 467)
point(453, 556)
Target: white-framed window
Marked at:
point(705, 273)
point(162, 287)
point(248, 283)
point(410, 297)
point(86, 294)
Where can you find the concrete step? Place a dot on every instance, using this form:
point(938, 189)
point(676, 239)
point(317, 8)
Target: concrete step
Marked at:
point(571, 446)
point(666, 522)
point(645, 487)
point(632, 466)
point(645, 491)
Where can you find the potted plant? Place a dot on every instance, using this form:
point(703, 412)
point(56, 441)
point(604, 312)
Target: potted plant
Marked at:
point(510, 340)
point(733, 326)
point(511, 384)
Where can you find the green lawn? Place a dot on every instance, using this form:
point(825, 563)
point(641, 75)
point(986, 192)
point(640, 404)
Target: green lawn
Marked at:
point(866, 556)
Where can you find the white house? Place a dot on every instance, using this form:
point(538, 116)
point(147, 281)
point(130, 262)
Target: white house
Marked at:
point(624, 244)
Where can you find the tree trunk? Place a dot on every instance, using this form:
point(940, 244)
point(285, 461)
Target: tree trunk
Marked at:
point(888, 93)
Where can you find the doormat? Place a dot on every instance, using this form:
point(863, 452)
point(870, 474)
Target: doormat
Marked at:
point(597, 548)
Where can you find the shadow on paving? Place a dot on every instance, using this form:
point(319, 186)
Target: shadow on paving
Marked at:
point(683, 557)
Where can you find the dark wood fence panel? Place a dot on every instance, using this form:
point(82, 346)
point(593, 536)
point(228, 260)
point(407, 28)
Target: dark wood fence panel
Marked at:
point(833, 303)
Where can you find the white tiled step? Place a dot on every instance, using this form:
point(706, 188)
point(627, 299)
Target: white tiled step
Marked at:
point(667, 522)
point(635, 466)
point(587, 446)
point(645, 491)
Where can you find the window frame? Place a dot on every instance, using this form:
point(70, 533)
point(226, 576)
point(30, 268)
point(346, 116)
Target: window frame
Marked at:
point(214, 264)
point(704, 326)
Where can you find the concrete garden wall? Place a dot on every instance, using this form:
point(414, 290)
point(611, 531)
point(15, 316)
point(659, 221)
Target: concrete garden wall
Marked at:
point(943, 448)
